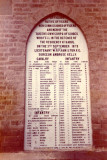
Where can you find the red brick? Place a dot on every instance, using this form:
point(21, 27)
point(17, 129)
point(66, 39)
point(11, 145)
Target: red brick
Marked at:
point(1, 117)
point(17, 22)
point(12, 132)
point(2, 78)
point(17, 123)
point(104, 121)
point(3, 40)
point(9, 139)
point(70, 1)
point(84, 1)
point(97, 136)
point(96, 9)
point(97, 143)
point(36, 1)
point(2, 87)
point(11, 144)
point(103, 111)
point(2, 35)
point(2, 107)
point(89, 5)
point(96, 119)
point(36, 5)
point(104, 135)
point(90, 14)
point(96, 1)
point(8, 148)
point(17, 112)
point(16, 68)
point(7, 102)
point(104, 126)
point(88, 9)
point(104, 143)
point(5, 124)
point(16, 117)
point(14, 31)
point(18, 9)
point(26, 1)
point(97, 126)
point(6, 112)
point(21, 5)
point(104, 18)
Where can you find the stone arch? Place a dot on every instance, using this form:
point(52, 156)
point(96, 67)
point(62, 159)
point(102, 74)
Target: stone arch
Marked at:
point(60, 14)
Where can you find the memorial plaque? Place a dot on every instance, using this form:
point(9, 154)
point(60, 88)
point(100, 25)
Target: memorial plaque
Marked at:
point(57, 112)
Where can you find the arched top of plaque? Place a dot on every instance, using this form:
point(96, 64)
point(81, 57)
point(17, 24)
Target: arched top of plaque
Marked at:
point(53, 33)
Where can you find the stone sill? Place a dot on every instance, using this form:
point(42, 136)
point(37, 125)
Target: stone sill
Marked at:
point(55, 155)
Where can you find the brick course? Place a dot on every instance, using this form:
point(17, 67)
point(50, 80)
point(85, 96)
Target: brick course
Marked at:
point(15, 27)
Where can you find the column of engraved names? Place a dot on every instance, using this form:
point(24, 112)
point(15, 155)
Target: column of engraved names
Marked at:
point(29, 103)
point(55, 102)
point(46, 105)
point(67, 105)
point(36, 105)
point(87, 102)
point(61, 105)
point(78, 106)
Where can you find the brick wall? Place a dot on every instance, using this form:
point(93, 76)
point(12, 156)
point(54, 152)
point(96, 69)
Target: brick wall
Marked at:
point(17, 18)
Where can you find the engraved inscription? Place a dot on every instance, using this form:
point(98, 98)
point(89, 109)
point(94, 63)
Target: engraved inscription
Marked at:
point(57, 87)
